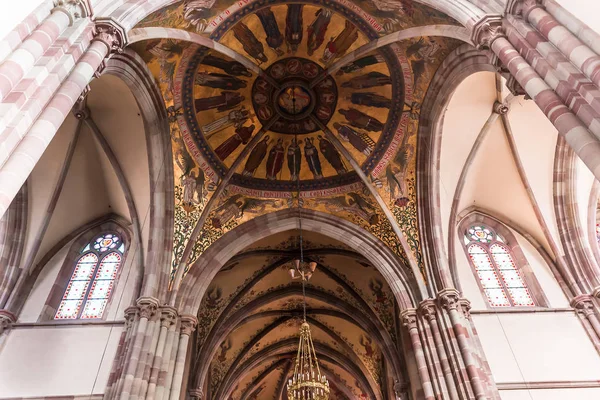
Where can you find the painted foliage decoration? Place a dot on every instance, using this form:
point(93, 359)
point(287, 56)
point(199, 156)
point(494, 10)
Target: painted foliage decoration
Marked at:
point(276, 83)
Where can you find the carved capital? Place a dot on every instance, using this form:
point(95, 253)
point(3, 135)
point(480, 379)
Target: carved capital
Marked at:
point(596, 292)
point(81, 111)
point(465, 306)
point(168, 316)
point(401, 390)
point(427, 308)
point(197, 394)
point(448, 299)
point(188, 324)
point(515, 87)
point(500, 108)
point(486, 31)
point(147, 307)
point(583, 304)
point(113, 35)
point(74, 9)
point(409, 318)
point(6, 320)
point(522, 8)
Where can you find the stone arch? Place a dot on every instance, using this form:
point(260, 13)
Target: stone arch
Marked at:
point(461, 63)
point(130, 68)
point(188, 295)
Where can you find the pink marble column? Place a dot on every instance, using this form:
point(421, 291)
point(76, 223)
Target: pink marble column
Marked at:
point(489, 33)
point(188, 325)
point(21, 161)
point(449, 300)
point(168, 319)
point(29, 51)
point(409, 320)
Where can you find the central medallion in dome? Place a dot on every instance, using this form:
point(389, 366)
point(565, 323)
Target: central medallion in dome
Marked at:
point(295, 90)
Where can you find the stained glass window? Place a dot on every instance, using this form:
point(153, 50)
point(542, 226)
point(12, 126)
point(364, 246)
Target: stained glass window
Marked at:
point(93, 279)
point(500, 278)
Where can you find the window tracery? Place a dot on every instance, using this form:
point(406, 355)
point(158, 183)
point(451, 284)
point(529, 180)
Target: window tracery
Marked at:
point(499, 276)
point(93, 279)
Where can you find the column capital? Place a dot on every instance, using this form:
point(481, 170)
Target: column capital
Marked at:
point(168, 316)
point(147, 306)
point(401, 390)
point(449, 299)
point(487, 30)
point(409, 318)
point(596, 292)
point(112, 34)
point(197, 394)
point(188, 324)
point(583, 304)
point(522, 8)
point(6, 320)
point(501, 108)
point(427, 309)
point(74, 9)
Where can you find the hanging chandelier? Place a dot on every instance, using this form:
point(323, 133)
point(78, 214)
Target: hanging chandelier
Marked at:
point(307, 382)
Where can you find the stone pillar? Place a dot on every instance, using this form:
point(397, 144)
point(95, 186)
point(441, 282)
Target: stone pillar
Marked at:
point(188, 326)
point(588, 314)
point(489, 33)
point(20, 161)
point(24, 57)
point(447, 350)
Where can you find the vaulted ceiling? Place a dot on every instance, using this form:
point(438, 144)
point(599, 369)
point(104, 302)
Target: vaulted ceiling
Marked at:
point(250, 318)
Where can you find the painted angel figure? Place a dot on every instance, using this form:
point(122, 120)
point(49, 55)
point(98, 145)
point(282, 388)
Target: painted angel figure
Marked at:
point(235, 118)
point(360, 141)
point(249, 42)
point(421, 52)
point(318, 28)
point(197, 13)
point(337, 47)
point(269, 23)
point(193, 184)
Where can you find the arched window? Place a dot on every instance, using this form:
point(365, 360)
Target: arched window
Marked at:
point(93, 279)
point(501, 280)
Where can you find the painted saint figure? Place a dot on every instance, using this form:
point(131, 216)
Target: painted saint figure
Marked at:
point(316, 30)
point(249, 42)
point(235, 118)
point(219, 81)
point(421, 52)
point(275, 160)
point(370, 99)
point(231, 67)
point(337, 47)
point(193, 185)
point(269, 23)
point(360, 141)
point(294, 159)
point(312, 158)
point(331, 155)
point(237, 205)
point(225, 101)
point(361, 120)
point(372, 79)
point(242, 136)
point(256, 157)
point(361, 63)
point(293, 27)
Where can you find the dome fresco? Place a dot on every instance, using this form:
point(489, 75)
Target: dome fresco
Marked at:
point(303, 78)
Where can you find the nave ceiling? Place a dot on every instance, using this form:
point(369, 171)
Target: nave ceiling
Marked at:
point(270, 74)
point(252, 312)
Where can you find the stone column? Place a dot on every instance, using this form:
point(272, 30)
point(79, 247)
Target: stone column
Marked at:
point(449, 301)
point(409, 320)
point(24, 57)
point(167, 320)
point(188, 326)
point(489, 33)
point(588, 314)
point(20, 162)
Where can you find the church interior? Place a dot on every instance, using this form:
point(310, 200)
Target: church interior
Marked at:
point(300, 200)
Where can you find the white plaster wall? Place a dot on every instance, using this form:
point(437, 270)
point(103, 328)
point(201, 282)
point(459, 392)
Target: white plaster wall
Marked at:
point(539, 347)
point(473, 98)
point(551, 394)
point(57, 360)
point(535, 138)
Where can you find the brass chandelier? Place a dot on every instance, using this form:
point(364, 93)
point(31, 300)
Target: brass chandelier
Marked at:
point(307, 381)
